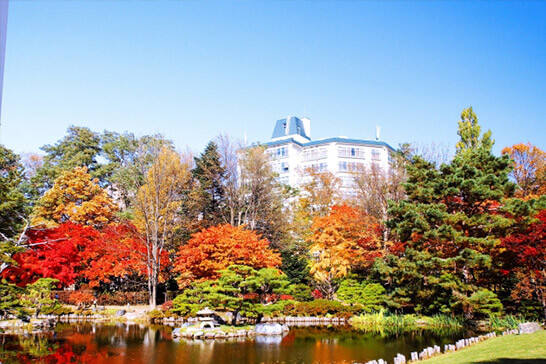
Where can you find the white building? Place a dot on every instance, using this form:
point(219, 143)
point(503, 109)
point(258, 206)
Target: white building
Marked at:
point(292, 152)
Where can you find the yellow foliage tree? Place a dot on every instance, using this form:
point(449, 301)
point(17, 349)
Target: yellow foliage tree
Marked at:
point(529, 169)
point(344, 239)
point(319, 192)
point(157, 209)
point(74, 197)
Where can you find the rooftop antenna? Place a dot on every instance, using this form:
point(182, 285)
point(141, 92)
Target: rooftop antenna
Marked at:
point(377, 131)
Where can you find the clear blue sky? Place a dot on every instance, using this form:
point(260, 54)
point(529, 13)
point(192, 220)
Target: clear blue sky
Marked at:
point(192, 70)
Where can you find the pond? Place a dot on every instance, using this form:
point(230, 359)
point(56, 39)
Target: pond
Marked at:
point(133, 343)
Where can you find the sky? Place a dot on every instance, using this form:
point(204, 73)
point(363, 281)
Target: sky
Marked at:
point(194, 70)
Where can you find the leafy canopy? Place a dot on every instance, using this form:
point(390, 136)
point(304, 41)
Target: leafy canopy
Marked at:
point(344, 239)
point(77, 198)
point(218, 247)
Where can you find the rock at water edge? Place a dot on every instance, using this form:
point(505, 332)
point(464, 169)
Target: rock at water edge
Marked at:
point(529, 327)
point(269, 329)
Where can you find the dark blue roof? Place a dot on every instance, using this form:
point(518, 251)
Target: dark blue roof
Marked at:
point(330, 140)
point(289, 126)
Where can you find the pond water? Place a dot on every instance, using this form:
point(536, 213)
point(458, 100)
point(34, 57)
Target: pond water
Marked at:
point(132, 343)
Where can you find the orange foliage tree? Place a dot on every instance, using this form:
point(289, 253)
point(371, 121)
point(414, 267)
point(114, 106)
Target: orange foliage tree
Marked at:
point(77, 198)
point(217, 248)
point(529, 169)
point(345, 239)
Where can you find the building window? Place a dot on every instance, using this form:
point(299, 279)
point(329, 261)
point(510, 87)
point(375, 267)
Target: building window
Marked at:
point(376, 154)
point(277, 153)
point(350, 166)
point(351, 152)
point(319, 167)
point(314, 153)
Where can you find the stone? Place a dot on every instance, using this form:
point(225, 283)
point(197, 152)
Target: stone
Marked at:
point(269, 329)
point(120, 313)
point(176, 332)
point(529, 327)
point(268, 339)
point(198, 334)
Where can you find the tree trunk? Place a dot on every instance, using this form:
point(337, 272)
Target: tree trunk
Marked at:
point(153, 297)
point(259, 318)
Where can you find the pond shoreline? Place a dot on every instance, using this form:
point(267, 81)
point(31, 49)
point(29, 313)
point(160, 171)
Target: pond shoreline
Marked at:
point(332, 343)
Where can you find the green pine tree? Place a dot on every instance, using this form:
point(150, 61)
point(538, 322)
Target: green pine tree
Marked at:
point(452, 214)
point(210, 174)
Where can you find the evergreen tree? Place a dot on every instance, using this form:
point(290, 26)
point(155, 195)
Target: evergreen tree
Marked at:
point(210, 174)
point(12, 199)
point(79, 148)
point(13, 206)
point(296, 266)
point(452, 212)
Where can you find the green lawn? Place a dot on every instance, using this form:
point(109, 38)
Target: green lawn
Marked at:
point(511, 349)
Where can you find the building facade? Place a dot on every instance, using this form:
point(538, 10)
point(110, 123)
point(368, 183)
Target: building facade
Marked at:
point(293, 152)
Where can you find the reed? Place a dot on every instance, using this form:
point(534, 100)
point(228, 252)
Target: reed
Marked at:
point(506, 322)
point(384, 323)
point(440, 320)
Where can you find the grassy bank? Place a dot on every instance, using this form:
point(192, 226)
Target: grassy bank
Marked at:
point(511, 349)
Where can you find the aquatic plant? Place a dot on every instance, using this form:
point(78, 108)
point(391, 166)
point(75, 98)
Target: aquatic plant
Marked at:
point(507, 322)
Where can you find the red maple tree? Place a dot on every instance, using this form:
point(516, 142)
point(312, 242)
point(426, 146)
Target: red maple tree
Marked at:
point(72, 252)
point(524, 255)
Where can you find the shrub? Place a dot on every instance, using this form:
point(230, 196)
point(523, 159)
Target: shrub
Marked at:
point(485, 303)
point(155, 314)
point(119, 298)
point(371, 296)
point(81, 298)
point(57, 311)
point(168, 305)
point(302, 293)
point(317, 294)
point(320, 307)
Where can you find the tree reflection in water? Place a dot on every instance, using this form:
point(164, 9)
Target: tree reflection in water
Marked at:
point(122, 343)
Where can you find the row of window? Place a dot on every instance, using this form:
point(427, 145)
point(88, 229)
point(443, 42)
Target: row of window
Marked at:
point(351, 152)
point(314, 153)
point(319, 167)
point(319, 153)
point(354, 152)
point(350, 166)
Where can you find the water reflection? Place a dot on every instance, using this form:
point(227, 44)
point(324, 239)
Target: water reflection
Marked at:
point(137, 343)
